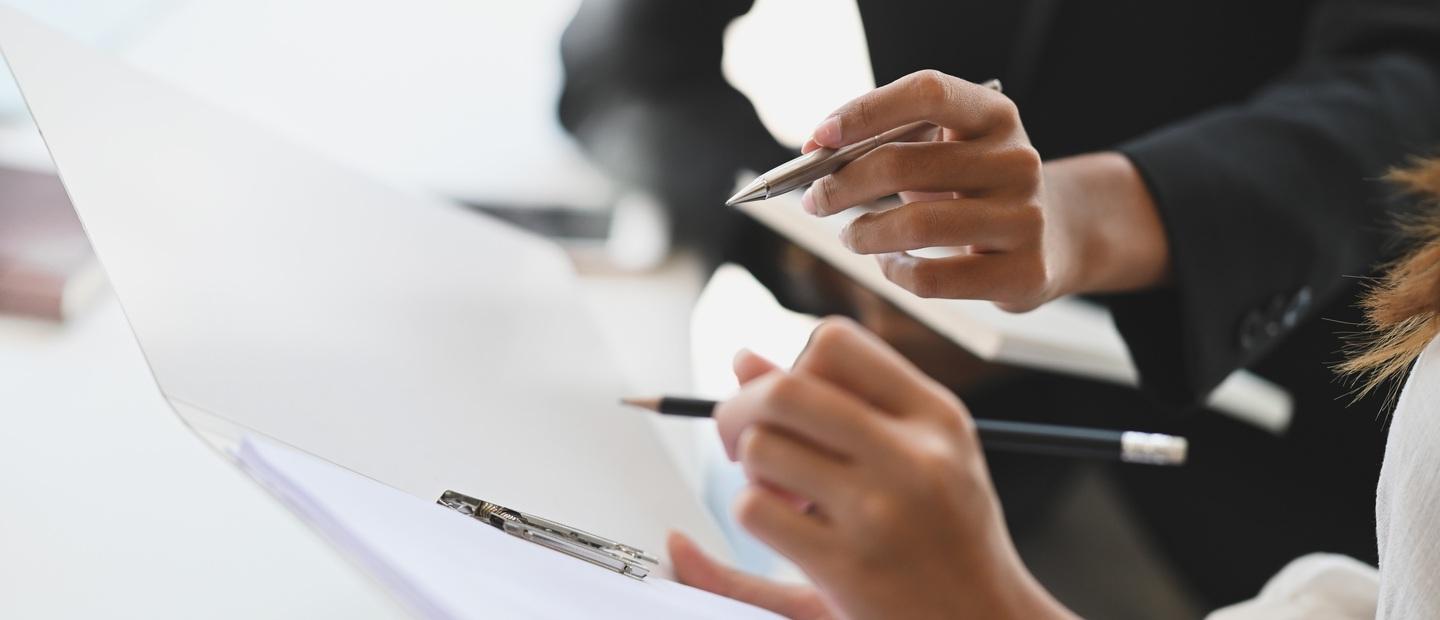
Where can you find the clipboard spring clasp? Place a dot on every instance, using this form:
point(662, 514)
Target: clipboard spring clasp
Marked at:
point(597, 550)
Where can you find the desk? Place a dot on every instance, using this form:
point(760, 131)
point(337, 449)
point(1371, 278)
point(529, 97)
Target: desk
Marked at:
point(112, 507)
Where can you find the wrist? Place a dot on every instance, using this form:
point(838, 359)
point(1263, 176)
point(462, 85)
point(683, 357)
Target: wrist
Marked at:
point(1026, 598)
point(1011, 591)
point(1112, 227)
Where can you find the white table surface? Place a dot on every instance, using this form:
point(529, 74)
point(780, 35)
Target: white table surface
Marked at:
point(111, 507)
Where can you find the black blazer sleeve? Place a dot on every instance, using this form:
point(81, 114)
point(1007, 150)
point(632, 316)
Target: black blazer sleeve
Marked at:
point(1269, 204)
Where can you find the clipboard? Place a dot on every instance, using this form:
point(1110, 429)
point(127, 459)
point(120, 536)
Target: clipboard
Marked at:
point(276, 294)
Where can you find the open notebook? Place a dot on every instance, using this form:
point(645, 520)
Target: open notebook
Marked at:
point(1070, 336)
point(276, 294)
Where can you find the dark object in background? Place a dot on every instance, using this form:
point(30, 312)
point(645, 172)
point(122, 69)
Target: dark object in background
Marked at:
point(47, 270)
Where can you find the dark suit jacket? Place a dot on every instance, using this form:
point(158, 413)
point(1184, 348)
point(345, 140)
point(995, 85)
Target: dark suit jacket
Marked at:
point(1261, 129)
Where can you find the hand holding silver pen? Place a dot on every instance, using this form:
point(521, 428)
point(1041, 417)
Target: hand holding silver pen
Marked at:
point(806, 168)
point(1018, 231)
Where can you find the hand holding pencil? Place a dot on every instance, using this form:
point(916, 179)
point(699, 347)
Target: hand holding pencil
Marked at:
point(897, 511)
point(1025, 437)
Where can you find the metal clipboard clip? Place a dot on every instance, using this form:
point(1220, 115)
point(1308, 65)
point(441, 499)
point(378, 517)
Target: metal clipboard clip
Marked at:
point(596, 550)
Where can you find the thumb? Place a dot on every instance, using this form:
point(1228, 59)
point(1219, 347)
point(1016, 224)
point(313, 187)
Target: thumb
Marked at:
point(698, 570)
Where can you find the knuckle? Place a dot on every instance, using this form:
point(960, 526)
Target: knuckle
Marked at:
point(936, 462)
point(933, 457)
point(1005, 115)
point(1030, 220)
point(1024, 157)
point(958, 423)
point(831, 333)
point(924, 279)
point(931, 86)
point(879, 510)
point(752, 446)
point(828, 197)
point(863, 113)
point(923, 224)
point(892, 162)
point(781, 395)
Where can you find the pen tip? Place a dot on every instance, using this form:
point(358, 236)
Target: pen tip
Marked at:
point(756, 190)
point(743, 197)
point(650, 403)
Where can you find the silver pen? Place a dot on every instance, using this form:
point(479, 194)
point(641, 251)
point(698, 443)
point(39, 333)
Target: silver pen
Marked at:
point(809, 167)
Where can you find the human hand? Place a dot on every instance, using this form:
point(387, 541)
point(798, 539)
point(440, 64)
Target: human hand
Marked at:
point(1026, 232)
point(869, 476)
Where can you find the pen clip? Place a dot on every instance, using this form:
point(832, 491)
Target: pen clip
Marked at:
point(577, 543)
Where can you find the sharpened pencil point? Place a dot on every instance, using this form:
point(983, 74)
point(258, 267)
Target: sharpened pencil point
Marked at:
point(651, 403)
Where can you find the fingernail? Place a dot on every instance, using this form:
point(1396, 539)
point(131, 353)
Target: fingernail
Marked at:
point(847, 237)
point(828, 133)
point(807, 200)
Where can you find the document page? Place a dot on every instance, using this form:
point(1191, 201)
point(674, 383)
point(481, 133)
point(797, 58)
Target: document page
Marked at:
point(443, 564)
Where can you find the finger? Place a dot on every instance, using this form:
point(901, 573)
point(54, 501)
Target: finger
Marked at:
point(972, 168)
point(810, 145)
point(966, 108)
point(695, 568)
point(748, 366)
point(1013, 278)
point(843, 354)
point(942, 223)
point(779, 459)
point(909, 197)
point(807, 408)
point(796, 535)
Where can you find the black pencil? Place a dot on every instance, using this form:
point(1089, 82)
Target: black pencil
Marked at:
point(1026, 437)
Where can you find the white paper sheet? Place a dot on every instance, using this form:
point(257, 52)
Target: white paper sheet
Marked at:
point(447, 565)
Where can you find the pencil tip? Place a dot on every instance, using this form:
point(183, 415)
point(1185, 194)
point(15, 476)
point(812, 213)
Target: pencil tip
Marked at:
point(652, 404)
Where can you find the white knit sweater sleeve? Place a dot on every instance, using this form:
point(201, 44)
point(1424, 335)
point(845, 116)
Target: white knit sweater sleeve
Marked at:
point(1407, 508)
point(1407, 518)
